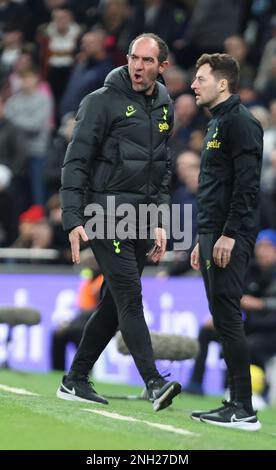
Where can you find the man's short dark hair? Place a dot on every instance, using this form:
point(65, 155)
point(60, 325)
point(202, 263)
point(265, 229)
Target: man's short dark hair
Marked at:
point(163, 48)
point(223, 66)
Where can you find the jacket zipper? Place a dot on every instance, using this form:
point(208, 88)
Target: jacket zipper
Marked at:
point(149, 111)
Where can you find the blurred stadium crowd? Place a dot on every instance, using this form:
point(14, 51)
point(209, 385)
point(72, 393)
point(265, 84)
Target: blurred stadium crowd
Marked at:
point(54, 52)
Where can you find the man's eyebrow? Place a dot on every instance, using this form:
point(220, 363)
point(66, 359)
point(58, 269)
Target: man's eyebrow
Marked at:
point(143, 57)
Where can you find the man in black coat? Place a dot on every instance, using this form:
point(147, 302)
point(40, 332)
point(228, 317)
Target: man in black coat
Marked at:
point(118, 151)
point(227, 212)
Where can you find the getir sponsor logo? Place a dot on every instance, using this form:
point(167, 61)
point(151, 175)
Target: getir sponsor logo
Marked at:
point(213, 144)
point(163, 126)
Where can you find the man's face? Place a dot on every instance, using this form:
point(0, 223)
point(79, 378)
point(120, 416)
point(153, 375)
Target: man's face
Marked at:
point(206, 87)
point(62, 19)
point(143, 65)
point(92, 43)
point(265, 253)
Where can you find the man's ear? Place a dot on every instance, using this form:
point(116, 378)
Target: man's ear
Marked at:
point(223, 85)
point(163, 66)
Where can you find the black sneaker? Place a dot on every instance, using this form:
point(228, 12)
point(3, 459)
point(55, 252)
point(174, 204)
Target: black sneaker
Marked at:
point(233, 416)
point(195, 415)
point(161, 392)
point(79, 389)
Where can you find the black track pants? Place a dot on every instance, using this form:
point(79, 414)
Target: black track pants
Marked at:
point(224, 288)
point(120, 307)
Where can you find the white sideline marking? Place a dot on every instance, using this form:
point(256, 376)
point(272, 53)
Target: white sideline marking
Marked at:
point(163, 427)
point(17, 391)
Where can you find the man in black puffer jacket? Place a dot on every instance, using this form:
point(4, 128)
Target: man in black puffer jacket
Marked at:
point(119, 149)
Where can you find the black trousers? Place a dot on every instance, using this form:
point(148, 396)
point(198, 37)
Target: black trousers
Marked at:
point(122, 263)
point(224, 288)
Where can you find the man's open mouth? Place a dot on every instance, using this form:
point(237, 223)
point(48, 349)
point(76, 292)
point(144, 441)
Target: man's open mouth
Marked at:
point(138, 77)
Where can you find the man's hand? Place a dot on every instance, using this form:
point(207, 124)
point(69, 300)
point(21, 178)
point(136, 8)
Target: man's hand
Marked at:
point(77, 234)
point(222, 251)
point(160, 243)
point(195, 258)
point(250, 302)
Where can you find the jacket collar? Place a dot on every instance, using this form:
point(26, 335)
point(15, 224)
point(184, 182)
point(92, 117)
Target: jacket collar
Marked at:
point(226, 105)
point(119, 79)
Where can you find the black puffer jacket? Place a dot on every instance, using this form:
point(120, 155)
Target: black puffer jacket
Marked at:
point(118, 148)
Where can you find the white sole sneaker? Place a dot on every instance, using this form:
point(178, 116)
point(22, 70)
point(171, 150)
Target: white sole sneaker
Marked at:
point(242, 425)
point(68, 397)
point(166, 399)
point(197, 418)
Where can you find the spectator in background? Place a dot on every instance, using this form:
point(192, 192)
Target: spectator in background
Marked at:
point(265, 71)
point(86, 12)
point(115, 20)
point(187, 171)
point(41, 11)
point(12, 159)
point(24, 63)
point(267, 213)
point(176, 81)
point(248, 94)
point(270, 129)
point(201, 35)
point(59, 241)
point(187, 118)
point(155, 16)
point(11, 47)
point(28, 61)
point(268, 193)
point(237, 47)
point(12, 13)
point(33, 229)
point(196, 141)
point(87, 300)
point(268, 181)
point(58, 44)
point(30, 110)
point(89, 73)
point(56, 152)
point(259, 28)
point(269, 90)
point(259, 301)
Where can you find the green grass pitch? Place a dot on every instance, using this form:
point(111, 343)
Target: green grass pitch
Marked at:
point(45, 422)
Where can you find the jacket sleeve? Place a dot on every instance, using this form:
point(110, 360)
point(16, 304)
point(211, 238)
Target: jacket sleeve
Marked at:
point(90, 129)
point(245, 140)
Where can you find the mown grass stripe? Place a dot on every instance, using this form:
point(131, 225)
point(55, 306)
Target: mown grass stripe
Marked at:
point(162, 427)
point(17, 391)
